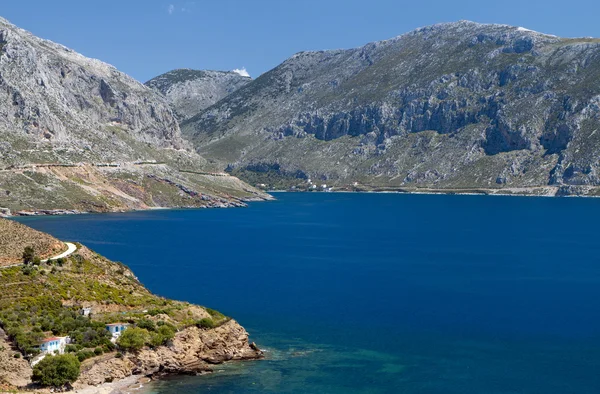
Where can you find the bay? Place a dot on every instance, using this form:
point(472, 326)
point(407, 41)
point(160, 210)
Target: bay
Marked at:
point(378, 293)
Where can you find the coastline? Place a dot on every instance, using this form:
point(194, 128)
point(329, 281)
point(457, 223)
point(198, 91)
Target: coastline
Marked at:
point(537, 191)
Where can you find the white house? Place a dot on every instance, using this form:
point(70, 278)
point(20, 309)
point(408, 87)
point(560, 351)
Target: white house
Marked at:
point(116, 329)
point(54, 344)
point(85, 311)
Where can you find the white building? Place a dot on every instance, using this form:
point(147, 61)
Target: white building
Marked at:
point(116, 329)
point(85, 311)
point(55, 344)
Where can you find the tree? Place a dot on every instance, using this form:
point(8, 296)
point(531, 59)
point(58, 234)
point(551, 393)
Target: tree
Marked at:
point(28, 255)
point(133, 339)
point(57, 371)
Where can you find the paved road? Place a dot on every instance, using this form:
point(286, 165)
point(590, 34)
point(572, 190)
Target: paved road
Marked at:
point(71, 248)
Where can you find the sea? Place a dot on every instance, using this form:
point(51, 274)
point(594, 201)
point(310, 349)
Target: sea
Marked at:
point(378, 293)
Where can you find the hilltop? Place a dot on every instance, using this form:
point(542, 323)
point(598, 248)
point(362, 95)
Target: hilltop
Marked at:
point(450, 107)
point(190, 91)
point(14, 237)
point(46, 300)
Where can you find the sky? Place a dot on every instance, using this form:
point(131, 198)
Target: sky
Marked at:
point(145, 38)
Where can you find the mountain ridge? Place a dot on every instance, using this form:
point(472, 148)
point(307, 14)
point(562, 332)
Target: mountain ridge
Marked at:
point(499, 107)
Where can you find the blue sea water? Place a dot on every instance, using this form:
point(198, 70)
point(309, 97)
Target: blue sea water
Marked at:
point(379, 293)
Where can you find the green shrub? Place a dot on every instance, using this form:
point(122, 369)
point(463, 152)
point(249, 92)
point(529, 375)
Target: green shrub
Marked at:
point(17, 355)
point(147, 324)
point(28, 255)
point(57, 371)
point(133, 339)
point(98, 351)
point(205, 323)
point(84, 355)
point(215, 314)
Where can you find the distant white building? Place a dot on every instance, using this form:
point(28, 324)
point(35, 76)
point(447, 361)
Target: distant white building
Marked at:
point(55, 344)
point(116, 329)
point(85, 312)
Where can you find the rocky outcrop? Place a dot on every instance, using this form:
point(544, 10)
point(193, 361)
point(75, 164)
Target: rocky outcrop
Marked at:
point(191, 91)
point(192, 351)
point(457, 105)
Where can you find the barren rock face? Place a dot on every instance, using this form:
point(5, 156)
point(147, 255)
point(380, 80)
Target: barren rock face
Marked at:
point(191, 91)
point(51, 93)
point(451, 105)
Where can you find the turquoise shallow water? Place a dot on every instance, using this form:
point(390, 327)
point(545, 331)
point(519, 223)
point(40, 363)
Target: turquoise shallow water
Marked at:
point(386, 293)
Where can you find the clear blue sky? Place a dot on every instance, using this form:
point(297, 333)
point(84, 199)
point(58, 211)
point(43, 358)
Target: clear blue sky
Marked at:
point(145, 38)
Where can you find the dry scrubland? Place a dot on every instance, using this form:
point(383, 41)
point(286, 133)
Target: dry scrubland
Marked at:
point(14, 237)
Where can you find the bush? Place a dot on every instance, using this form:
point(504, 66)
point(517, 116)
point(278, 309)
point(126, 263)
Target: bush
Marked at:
point(57, 371)
point(205, 323)
point(216, 314)
point(84, 355)
point(167, 332)
point(133, 339)
point(17, 355)
point(147, 324)
point(98, 351)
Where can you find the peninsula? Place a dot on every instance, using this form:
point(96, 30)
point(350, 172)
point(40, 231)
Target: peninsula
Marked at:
point(96, 312)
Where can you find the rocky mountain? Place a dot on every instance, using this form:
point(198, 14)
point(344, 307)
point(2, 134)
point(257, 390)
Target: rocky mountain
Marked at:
point(454, 107)
point(75, 133)
point(190, 91)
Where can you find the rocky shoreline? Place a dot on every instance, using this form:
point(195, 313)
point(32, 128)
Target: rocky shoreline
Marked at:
point(193, 351)
point(242, 203)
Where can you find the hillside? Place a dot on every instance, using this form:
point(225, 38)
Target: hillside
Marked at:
point(457, 106)
point(190, 91)
point(14, 237)
point(77, 134)
point(45, 301)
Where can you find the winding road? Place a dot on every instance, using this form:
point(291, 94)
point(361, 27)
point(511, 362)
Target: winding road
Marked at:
point(71, 248)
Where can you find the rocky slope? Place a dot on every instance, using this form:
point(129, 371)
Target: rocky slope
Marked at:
point(452, 106)
point(39, 302)
point(192, 351)
point(190, 91)
point(60, 110)
point(14, 237)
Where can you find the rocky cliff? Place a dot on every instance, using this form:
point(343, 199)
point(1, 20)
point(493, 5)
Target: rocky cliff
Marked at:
point(190, 91)
point(452, 106)
point(192, 351)
point(75, 133)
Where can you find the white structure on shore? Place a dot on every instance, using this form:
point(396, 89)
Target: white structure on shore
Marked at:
point(55, 344)
point(116, 329)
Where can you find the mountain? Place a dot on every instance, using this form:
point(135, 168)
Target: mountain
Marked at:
point(45, 300)
point(77, 134)
point(190, 91)
point(453, 107)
